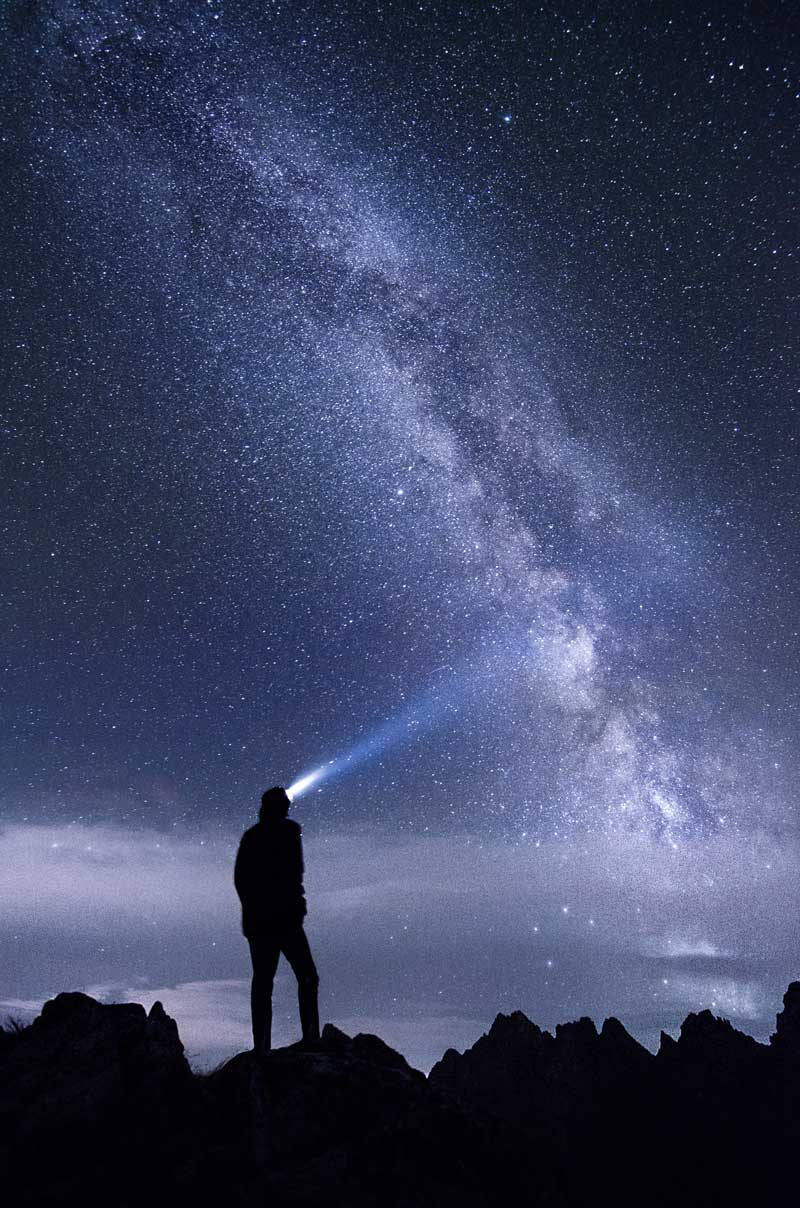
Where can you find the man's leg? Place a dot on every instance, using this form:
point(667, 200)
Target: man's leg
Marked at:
point(265, 952)
point(294, 945)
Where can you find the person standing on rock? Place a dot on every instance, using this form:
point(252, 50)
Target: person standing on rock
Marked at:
point(269, 881)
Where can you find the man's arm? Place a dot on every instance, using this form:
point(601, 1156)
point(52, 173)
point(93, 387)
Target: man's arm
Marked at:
point(294, 854)
point(241, 869)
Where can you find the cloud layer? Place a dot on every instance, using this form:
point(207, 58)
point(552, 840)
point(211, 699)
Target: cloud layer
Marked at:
point(422, 940)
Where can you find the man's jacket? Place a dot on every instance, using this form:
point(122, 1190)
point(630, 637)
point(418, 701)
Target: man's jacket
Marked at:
point(269, 877)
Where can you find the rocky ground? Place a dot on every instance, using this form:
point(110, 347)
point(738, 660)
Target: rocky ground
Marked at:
point(98, 1104)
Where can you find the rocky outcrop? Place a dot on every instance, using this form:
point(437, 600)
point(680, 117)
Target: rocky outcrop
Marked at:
point(542, 1082)
point(786, 1037)
point(88, 1091)
point(98, 1104)
point(105, 1094)
point(714, 1112)
point(576, 1092)
point(351, 1123)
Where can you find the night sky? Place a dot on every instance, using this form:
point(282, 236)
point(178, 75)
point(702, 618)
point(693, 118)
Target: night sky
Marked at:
point(418, 383)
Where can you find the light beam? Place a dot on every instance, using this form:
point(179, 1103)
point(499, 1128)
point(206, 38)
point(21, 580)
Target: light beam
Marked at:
point(420, 715)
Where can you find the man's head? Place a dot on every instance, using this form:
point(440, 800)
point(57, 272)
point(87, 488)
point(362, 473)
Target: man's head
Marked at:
point(274, 805)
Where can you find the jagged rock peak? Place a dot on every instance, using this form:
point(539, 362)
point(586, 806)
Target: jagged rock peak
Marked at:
point(613, 1030)
point(618, 1044)
point(704, 1023)
point(704, 1026)
point(97, 1095)
point(706, 1035)
point(510, 1037)
point(365, 1047)
point(515, 1026)
point(578, 1031)
point(786, 1036)
point(129, 1022)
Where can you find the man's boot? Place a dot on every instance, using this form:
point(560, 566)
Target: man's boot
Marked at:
point(261, 1013)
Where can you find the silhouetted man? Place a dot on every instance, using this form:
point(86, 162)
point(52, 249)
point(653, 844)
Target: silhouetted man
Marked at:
point(269, 881)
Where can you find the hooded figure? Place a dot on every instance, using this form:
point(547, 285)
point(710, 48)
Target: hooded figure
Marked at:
point(269, 881)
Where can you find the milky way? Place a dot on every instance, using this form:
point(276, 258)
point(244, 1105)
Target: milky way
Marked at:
point(414, 385)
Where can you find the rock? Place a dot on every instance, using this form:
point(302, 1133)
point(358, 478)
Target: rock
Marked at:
point(533, 1079)
point(81, 1059)
point(713, 1101)
point(710, 1064)
point(334, 1039)
point(97, 1103)
point(365, 1047)
point(573, 1093)
point(499, 1074)
point(786, 1037)
point(88, 1084)
point(351, 1122)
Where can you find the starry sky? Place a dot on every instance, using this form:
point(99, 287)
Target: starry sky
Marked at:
point(409, 390)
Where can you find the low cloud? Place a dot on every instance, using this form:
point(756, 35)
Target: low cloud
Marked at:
point(421, 939)
point(742, 1000)
point(680, 947)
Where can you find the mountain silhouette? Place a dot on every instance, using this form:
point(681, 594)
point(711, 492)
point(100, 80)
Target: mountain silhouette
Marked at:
point(98, 1104)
